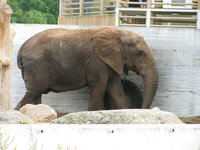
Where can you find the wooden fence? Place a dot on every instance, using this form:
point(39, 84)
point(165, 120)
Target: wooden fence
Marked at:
point(88, 12)
point(88, 7)
point(151, 13)
point(159, 14)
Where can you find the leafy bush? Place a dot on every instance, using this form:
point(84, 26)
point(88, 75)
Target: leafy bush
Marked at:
point(34, 11)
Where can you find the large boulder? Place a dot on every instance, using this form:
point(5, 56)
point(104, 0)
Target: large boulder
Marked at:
point(14, 117)
point(39, 113)
point(126, 116)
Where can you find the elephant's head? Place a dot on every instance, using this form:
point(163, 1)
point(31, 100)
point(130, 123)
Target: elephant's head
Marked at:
point(126, 50)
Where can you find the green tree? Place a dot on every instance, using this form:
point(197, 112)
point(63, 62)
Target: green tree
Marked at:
point(51, 19)
point(34, 11)
point(34, 16)
point(18, 16)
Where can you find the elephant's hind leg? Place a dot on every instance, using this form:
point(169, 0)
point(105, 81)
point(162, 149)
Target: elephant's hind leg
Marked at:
point(36, 78)
point(29, 98)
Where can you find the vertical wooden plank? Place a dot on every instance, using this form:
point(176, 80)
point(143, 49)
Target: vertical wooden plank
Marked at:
point(2, 2)
point(148, 3)
point(102, 6)
point(117, 17)
point(199, 4)
point(6, 40)
point(117, 3)
point(81, 13)
point(148, 19)
point(61, 8)
point(198, 19)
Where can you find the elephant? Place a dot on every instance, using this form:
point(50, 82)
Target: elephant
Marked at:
point(61, 60)
point(132, 93)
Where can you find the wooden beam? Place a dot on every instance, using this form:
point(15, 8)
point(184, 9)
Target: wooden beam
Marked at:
point(2, 2)
point(199, 5)
point(133, 3)
point(148, 20)
point(134, 25)
point(175, 4)
point(174, 18)
point(174, 26)
point(6, 40)
point(97, 7)
point(61, 8)
point(148, 3)
point(118, 3)
point(102, 6)
point(134, 17)
point(81, 13)
point(198, 19)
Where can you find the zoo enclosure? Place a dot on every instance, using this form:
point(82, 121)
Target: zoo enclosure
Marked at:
point(149, 13)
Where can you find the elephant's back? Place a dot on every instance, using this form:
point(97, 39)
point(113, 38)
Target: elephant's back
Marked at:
point(52, 37)
point(58, 41)
point(35, 43)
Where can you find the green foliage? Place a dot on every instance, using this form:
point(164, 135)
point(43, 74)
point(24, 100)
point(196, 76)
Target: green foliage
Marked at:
point(34, 16)
point(34, 11)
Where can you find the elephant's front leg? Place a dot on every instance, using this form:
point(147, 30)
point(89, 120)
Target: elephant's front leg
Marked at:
point(97, 83)
point(97, 91)
point(116, 92)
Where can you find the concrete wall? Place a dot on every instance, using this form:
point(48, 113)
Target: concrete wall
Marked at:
point(176, 52)
point(102, 137)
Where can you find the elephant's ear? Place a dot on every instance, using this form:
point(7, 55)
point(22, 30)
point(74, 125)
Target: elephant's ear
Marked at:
point(107, 45)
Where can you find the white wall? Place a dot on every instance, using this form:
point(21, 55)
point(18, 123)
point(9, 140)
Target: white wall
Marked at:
point(102, 137)
point(177, 54)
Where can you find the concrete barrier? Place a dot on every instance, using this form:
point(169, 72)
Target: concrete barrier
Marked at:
point(176, 52)
point(101, 137)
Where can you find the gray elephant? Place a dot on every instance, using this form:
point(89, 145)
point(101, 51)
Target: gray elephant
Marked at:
point(60, 60)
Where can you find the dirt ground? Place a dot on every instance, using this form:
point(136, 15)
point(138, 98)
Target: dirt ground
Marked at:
point(191, 120)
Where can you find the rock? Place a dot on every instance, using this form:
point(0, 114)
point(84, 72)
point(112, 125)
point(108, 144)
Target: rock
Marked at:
point(14, 117)
point(125, 116)
point(39, 113)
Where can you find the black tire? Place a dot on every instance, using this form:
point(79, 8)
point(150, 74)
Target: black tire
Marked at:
point(132, 93)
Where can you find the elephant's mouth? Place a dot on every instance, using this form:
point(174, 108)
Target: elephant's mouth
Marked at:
point(133, 68)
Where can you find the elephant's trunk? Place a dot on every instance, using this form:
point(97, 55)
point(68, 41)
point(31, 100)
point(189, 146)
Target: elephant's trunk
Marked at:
point(150, 86)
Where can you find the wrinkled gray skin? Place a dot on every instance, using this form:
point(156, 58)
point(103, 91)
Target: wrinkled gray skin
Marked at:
point(60, 60)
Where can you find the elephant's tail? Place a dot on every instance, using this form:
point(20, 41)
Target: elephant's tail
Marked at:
point(19, 60)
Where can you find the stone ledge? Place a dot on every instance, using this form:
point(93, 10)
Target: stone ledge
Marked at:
point(103, 137)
